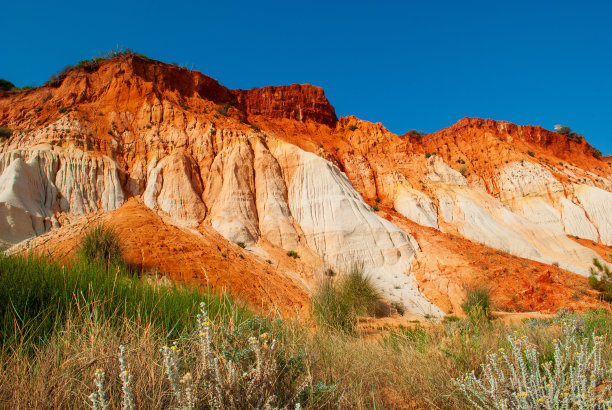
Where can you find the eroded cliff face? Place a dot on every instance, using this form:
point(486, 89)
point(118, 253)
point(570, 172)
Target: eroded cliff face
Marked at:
point(275, 170)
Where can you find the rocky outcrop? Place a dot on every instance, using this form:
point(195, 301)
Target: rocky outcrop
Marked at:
point(301, 102)
point(39, 183)
point(273, 170)
point(174, 187)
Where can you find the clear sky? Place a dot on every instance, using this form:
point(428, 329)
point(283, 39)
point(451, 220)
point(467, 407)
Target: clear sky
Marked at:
point(408, 64)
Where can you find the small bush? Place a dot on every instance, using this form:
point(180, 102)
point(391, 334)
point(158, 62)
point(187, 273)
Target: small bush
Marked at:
point(601, 280)
point(101, 245)
point(5, 133)
point(63, 110)
point(358, 288)
point(530, 153)
point(375, 208)
point(353, 127)
point(293, 254)
point(184, 107)
point(415, 133)
point(463, 171)
point(241, 244)
point(427, 154)
point(576, 377)
point(331, 309)
point(6, 85)
point(564, 130)
point(477, 305)
point(337, 303)
point(255, 128)
point(399, 308)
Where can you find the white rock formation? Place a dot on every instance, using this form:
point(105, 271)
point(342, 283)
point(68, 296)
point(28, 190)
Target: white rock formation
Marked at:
point(439, 171)
point(174, 187)
point(520, 179)
point(597, 204)
point(339, 226)
point(417, 207)
point(575, 221)
point(37, 183)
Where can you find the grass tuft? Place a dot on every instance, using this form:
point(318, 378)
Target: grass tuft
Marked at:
point(477, 304)
point(101, 244)
point(337, 303)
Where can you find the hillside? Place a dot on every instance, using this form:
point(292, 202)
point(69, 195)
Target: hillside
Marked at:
point(262, 191)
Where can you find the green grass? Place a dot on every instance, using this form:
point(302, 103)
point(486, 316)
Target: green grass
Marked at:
point(101, 244)
point(337, 303)
point(477, 304)
point(601, 280)
point(61, 321)
point(37, 296)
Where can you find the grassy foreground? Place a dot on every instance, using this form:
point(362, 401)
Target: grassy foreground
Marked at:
point(61, 325)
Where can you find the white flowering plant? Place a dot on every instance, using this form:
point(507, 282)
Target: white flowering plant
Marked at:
point(576, 377)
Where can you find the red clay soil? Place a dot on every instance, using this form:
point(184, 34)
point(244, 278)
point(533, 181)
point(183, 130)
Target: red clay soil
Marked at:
point(186, 256)
point(449, 264)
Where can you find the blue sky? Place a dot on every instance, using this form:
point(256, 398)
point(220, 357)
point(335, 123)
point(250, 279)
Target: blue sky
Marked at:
point(407, 64)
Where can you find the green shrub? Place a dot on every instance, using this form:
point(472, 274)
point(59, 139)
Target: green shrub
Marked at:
point(293, 254)
point(353, 127)
point(255, 128)
point(463, 171)
point(427, 154)
point(331, 309)
point(358, 288)
point(477, 304)
point(184, 107)
point(564, 130)
point(101, 245)
point(399, 308)
point(415, 133)
point(338, 302)
point(63, 110)
point(241, 244)
point(5, 133)
point(530, 153)
point(6, 85)
point(601, 280)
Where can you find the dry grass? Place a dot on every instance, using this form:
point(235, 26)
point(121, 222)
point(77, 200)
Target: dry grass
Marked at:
point(412, 368)
point(407, 368)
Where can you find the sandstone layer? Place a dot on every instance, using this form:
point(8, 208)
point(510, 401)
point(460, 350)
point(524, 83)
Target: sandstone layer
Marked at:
point(276, 172)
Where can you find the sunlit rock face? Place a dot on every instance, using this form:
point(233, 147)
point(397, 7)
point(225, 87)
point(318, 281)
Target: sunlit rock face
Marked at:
point(273, 170)
point(37, 184)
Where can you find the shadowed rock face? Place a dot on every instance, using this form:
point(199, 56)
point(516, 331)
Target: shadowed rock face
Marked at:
point(276, 171)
